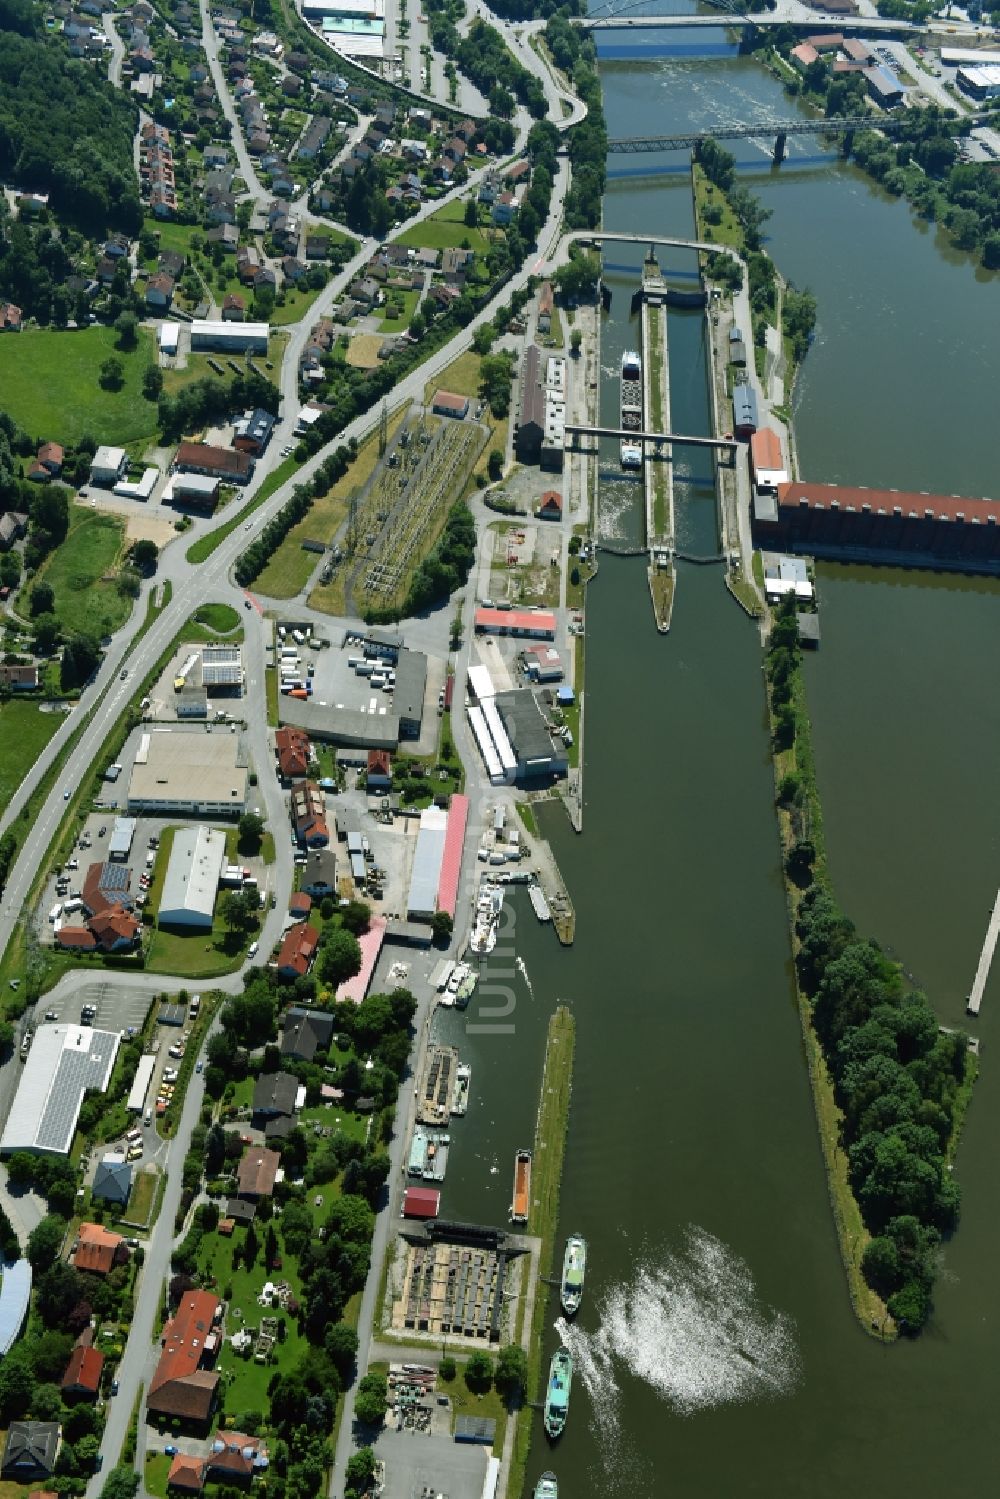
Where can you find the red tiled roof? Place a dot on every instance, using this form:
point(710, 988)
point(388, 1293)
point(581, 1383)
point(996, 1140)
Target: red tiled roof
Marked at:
point(293, 748)
point(451, 859)
point(939, 506)
point(379, 762)
point(83, 1372)
point(76, 936)
point(179, 1385)
point(539, 622)
point(97, 1248)
point(551, 500)
point(765, 449)
point(299, 903)
point(298, 950)
point(187, 1473)
point(257, 1172)
point(113, 926)
point(202, 455)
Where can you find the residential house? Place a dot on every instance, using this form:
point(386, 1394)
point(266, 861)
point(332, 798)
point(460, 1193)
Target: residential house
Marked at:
point(293, 270)
point(50, 456)
point(454, 150)
point(233, 308)
point(215, 156)
point(291, 86)
point(82, 1378)
point(220, 209)
point(186, 1474)
point(305, 1032)
point(182, 1386)
point(308, 813)
point(112, 1179)
point(106, 883)
point(159, 292)
point(317, 246)
point(299, 905)
point(248, 263)
point(550, 506)
point(31, 1450)
point(114, 930)
point(365, 291)
point(257, 1172)
point(319, 874)
point(117, 246)
point(519, 173)
point(441, 171)
point(225, 464)
point(466, 131)
point(274, 1094)
point(293, 748)
point(314, 139)
point(11, 318)
point(488, 189)
point(18, 678)
point(297, 952)
point(282, 182)
point(379, 777)
point(235, 1458)
point(503, 209)
point(265, 277)
point(227, 236)
point(252, 431)
point(106, 269)
point(171, 263)
point(98, 1249)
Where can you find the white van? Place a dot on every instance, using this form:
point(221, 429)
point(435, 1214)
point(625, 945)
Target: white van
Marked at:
point(72, 906)
point(148, 1119)
point(55, 913)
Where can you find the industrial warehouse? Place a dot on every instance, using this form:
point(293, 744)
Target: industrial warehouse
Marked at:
point(190, 774)
point(64, 1063)
point(192, 878)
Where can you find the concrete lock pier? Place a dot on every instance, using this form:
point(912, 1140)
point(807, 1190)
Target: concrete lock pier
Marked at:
point(658, 464)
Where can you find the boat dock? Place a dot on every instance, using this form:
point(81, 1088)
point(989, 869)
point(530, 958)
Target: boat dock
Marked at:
point(428, 1155)
point(437, 1085)
point(658, 466)
point(985, 959)
point(539, 904)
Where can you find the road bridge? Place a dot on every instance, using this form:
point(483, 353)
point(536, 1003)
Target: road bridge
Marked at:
point(633, 145)
point(574, 429)
point(866, 25)
point(985, 959)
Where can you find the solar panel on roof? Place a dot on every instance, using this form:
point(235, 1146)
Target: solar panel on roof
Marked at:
point(114, 877)
point(220, 655)
point(216, 676)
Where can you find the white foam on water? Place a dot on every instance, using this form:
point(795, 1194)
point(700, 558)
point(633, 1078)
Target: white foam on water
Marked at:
point(691, 1326)
point(524, 974)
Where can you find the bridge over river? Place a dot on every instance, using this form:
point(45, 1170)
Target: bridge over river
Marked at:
point(846, 25)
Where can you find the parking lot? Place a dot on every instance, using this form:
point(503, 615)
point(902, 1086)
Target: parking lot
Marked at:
point(416, 1465)
point(115, 1008)
point(337, 684)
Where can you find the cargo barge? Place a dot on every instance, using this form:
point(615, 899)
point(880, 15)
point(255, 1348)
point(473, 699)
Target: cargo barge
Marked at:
point(631, 408)
point(437, 1085)
point(521, 1199)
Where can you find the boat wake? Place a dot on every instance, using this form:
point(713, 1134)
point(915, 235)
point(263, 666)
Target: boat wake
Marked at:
point(522, 970)
point(691, 1326)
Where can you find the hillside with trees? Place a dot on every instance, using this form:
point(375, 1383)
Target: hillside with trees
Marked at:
point(65, 131)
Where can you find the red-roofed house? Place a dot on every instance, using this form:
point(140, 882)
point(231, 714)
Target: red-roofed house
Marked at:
point(76, 939)
point(115, 930)
point(550, 506)
point(83, 1373)
point(181, 1386)
point(292, 746)
point(50, 456)
point(297, 952)
point(257, 1172)
point(235, 1456)
point(308, 809)
point(379, 776)
point(299, 905)
point(187, 1473)
point(98, 1250)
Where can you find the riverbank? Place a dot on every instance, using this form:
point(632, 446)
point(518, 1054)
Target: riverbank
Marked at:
point(546, 1178)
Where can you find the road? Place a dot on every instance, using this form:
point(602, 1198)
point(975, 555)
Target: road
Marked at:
point(117, 49)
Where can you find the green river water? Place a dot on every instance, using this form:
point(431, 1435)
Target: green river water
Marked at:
point(716, 1350)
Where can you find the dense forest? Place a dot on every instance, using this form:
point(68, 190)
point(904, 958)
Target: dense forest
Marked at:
point(897, 1077)
point(64, 130)
point(575, 55)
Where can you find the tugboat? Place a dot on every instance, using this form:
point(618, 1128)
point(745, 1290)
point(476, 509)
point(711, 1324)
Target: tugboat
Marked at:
point(547, 1487)
point(574, 1270)
point(460, 1094)
point(557, 1394)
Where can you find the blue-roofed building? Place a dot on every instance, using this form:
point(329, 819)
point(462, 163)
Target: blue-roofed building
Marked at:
point(252, 431)
point(744, 411)
point(112, 1180)
point(15, 1295)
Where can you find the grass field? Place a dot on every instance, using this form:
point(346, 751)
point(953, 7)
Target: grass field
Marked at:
point(155, 1476)
point(188, 954)
point(409, 300)
point(24, 733)
point(222, 618)
point(445, 230)
point(81, 572)
point(290, 569)
point(50, 385)
point(143, 1194)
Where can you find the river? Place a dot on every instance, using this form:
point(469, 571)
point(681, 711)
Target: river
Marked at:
point(716, 1350)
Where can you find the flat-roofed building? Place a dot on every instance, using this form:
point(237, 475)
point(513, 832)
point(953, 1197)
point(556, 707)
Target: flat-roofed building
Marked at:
point(64, 1063)
point(108, 465)
point(425, 878)
point(192, 879)
point(192, 774)
point(408, 694)
point(536, 753)
point(225, 465)
point(248, 338)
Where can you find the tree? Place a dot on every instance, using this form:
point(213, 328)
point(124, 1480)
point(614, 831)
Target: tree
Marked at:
point(45, 1242)
point(442, 926)
point(494, 464)
point(50, 1351)
point(121, 1483)
point(511, 1377)
point(371, 1400)
point(251, 831)
point(144, 555)
point(17, 1384)
point(215, 1149)
point(471, 214)
point(479, 1372)
point(576, 341)
point(42, 600)
point(112, 373)
point(126, 325)
point(360, 1475)
point(448, 1369)
point(152, 382)
point(45, 632)
point(238, 909)
point(341, 1344)
point(80, 656)
point(340, 957)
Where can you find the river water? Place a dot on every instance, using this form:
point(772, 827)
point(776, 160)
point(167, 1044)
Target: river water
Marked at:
point(716, 1350)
